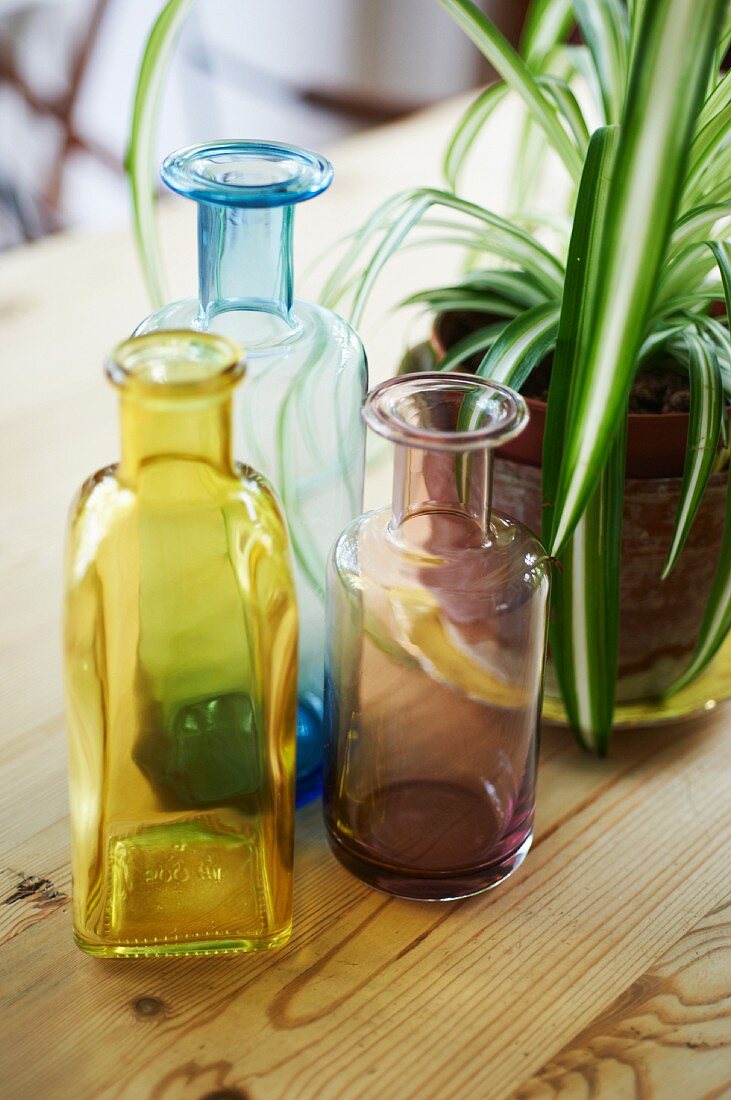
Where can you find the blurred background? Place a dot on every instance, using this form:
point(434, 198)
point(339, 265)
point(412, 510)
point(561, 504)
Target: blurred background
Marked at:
point(306, 71)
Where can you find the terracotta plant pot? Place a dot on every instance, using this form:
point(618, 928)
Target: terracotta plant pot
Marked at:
point(659, 620)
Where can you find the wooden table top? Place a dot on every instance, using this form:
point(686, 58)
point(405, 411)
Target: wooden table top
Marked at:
point(602, 969)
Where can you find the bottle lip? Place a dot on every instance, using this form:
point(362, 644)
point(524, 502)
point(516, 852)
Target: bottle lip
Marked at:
point(498, 415)
point(247, 173)
point(176, 363)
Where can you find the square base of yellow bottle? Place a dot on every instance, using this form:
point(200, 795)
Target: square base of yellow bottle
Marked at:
point(182, 948)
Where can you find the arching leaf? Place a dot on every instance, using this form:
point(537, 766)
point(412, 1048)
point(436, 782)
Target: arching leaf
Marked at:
point(522, 345)
point(141, 158)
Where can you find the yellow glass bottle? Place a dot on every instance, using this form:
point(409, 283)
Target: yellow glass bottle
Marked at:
point(181, 672)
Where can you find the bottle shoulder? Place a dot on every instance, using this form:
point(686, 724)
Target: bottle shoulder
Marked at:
point(174, 490)
point(101, 494)
point(369, 553)
point(313, 330)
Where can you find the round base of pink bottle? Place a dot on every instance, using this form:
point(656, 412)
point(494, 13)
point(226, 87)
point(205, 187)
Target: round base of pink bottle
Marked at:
point(419, 887)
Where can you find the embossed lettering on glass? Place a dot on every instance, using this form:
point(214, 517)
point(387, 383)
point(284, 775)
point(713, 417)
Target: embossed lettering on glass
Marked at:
point(180, 651)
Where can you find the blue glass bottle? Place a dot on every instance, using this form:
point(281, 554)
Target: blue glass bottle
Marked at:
point(298, 419)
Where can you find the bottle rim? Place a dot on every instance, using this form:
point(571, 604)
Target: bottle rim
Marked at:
point(496, 415)
point(247, 173)
point(176, 362)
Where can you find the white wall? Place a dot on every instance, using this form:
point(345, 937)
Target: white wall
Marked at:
point(240, 70)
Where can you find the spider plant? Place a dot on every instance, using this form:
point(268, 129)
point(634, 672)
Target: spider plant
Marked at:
point(650, 193)
point(141, 160)
point(637, 112)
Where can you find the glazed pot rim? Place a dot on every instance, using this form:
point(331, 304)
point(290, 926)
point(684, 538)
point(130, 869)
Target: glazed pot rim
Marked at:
point(636, 416)
point(650, 486)
point(538, 404)
point(656, 441)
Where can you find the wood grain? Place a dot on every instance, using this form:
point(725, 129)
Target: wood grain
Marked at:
point(602, 970)
point(669, 1031)
point(465, 999)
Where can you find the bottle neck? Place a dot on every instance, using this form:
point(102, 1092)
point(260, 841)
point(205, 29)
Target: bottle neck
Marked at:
point(245, 259)
point(189, 428)
point(441, 499)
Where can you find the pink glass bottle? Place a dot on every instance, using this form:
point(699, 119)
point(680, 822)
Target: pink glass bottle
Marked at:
point(437, 610)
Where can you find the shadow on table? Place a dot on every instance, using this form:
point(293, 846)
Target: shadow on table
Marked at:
point(347, 937)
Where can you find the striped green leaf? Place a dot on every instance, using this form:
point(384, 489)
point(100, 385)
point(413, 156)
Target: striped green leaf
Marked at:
point(141, 158)
point(716, 621)
point(688, 269)
point(523, 343)
point(568, 107)
point(585, 600)
point(559, 224)
point(667, 83)
point(716, 334)
point(605, 29)
point(636, 11)
point(471, 345)
point(691, 304)
point(580, 291)
point(722, 47)
point(517, 75)
point(716, 100)
point(532, 147)
point(706, 416)
point(480, 243)
point(468, 129)
point(385, 232)
point(400, 228)
point(715, 190)
point(547, 23)
point(581, 61)
point(518, 287)
point(513, 242)
point(697, 224)
point(375, 223)
point(707, 151)
point(450, 298)
point(710, 181)
point(660, 339)
point(584, 628)
point(722, 253)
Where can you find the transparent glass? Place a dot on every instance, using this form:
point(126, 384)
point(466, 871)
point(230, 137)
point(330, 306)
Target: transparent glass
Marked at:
point(437, 613)
point(298, 420)
point(180, 647)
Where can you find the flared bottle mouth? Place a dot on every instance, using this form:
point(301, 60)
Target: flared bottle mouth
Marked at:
point(247, 173)
point(176, 362)
point(445, 412)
